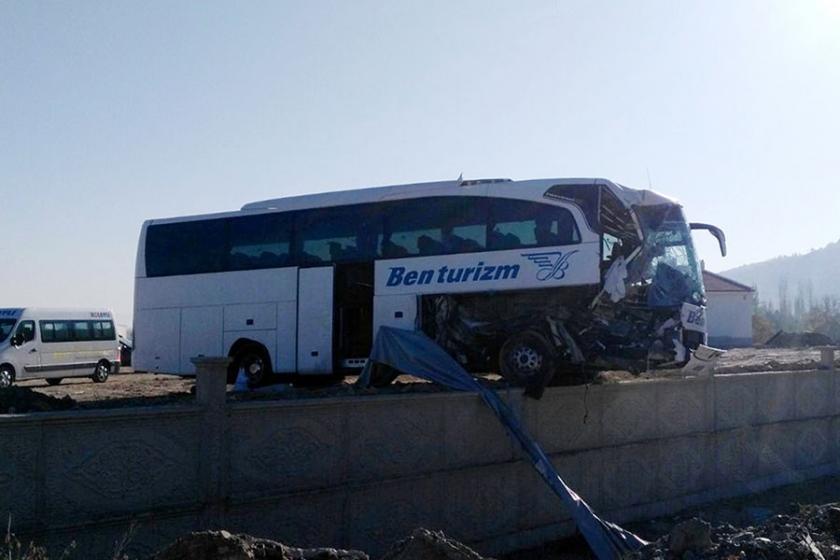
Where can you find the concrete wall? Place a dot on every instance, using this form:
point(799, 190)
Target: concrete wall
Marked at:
point(363, 471)
point(729, 319)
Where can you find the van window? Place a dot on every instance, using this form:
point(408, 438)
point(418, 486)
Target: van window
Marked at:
point(82, 331)
point(55, 331)
point(26, 331)
point(103, 330)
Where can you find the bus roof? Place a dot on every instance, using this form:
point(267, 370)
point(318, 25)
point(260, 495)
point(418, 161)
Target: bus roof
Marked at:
point(444, 188)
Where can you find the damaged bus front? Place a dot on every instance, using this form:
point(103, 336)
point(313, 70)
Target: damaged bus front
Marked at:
point(648, 311)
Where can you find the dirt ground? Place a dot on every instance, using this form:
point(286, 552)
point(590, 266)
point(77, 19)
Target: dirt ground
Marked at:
point(740, 512)
point(129, 388)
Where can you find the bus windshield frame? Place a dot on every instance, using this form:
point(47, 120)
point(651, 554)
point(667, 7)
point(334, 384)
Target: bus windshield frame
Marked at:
point(668, 262)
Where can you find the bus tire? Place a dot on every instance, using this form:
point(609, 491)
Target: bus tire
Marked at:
point(527, 358)
point(54, 380)
point(252, 358)
point(7, 376)
point(102, 371)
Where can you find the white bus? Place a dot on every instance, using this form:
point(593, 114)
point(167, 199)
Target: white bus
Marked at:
point(51, 344)
point(520, 277)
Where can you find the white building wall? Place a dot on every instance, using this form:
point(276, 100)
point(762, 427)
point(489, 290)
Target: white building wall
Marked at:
point(729, 319)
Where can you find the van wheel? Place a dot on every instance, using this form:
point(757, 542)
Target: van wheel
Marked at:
point(7, 376)
point(526, 358)
point(54, 380)
point(254, 361)
point(102, 371)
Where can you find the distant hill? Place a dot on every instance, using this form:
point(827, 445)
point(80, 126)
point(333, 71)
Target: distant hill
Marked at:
point(817, 272)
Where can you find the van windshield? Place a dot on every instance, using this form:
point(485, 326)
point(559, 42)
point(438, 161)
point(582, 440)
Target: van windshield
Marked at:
point(6, 326)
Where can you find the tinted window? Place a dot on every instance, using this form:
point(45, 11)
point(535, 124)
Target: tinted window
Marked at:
point(6, 326)
point(47, 332)
point(55, 331)
point(262, 241)
point(26, 331)
point(108, 330)
point(434, 226)
point(585, 196)
point(82, 331)
point(340, 234)
point(186, 248)
point(517, 224)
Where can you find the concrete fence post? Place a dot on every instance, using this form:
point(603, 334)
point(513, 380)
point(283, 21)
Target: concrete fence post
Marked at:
point(827, 357)
point(211, 394)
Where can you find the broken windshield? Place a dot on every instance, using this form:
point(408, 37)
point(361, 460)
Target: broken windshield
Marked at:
point(668, 263)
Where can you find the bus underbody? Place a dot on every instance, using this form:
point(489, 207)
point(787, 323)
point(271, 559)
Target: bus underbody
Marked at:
point(582, 338)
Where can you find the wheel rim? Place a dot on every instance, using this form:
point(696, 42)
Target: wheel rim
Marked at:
point(101, 371)
point(526, 360)
point(5, 378)
point(253, 369)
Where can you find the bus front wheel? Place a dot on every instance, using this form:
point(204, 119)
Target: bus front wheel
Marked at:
point(527, 358)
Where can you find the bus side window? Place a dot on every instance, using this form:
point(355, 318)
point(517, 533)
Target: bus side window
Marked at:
point(519, 224)
point(340, 234)
point(464, 225)
point(433, 226)
point(262, 241)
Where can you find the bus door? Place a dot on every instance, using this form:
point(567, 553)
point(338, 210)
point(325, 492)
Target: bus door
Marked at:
point(353, 328)
point(315, 319)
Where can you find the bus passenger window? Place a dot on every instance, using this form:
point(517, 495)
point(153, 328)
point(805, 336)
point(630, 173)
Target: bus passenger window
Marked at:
point(433, 226)
point(259, 242)
point(341, 234)
point(519, 224)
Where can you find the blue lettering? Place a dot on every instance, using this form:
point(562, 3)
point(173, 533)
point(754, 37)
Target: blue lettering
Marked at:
point(505, 271)
point(426, 277)
point(410, 278)
point(396, 276)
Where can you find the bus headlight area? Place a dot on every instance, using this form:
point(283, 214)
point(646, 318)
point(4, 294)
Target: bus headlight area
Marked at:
point(540, 280)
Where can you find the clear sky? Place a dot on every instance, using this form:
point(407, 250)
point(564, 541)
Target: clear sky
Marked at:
point(115, 112)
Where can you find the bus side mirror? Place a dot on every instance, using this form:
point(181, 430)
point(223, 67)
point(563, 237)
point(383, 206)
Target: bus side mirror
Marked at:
point(16, 340)
point(714, 230)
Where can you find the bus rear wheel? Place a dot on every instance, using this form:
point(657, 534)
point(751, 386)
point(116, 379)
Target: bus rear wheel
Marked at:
point(253, 361)
point(102, 371)
point(527, 358)
point(7, 376)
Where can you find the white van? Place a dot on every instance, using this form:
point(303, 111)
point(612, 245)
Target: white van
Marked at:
point(53, 344)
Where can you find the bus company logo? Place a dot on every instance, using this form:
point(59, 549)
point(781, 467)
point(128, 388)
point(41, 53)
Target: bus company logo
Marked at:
point(100, 315)
point(400, 276)
point(552, 264)
point(9, 312)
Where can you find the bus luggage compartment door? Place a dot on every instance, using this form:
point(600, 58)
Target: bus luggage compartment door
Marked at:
point(315, 320)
